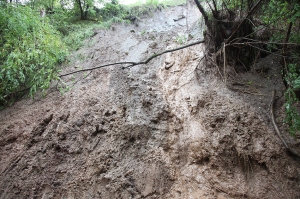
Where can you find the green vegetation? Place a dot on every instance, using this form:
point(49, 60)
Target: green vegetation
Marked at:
point(31, 50)
point(271, 27)
point(286, 30)
point(78, 33)
point(293, 80)
point(181, 39)
point(32, 45)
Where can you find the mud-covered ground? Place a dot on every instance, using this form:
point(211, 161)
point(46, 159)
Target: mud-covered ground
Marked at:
point(167, 129)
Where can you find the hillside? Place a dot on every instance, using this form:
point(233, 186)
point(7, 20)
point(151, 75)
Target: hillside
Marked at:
point(167, 129)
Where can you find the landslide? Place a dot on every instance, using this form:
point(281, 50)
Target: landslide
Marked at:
point(167, 129)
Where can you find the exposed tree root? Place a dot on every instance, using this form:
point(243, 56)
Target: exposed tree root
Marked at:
point(291, 151)
point(244, 91)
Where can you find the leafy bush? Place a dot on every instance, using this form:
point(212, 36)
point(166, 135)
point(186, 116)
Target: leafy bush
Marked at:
point(61, 20)
point(293, 81)
point(281, 15)
point(77, 34)
point(30, 50)
point(112, 10)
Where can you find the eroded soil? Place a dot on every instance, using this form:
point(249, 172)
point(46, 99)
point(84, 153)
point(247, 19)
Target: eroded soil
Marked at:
point(168, 129)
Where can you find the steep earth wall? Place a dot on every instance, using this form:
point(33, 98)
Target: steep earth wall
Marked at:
point(168, 129)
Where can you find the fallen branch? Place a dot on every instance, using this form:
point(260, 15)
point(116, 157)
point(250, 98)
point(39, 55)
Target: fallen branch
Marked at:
point(88, 69)
point(130, 64)
point(276, 128)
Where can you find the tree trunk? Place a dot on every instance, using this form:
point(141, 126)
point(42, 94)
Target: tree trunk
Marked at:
point(285, 69)
point(81, 9)
point(86, 12)
point(201, 9)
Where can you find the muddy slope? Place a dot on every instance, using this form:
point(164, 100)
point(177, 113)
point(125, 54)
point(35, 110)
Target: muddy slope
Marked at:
point(168, 129)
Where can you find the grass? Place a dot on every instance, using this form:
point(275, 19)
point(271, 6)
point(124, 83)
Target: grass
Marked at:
point(181, 39)
point(76, 32)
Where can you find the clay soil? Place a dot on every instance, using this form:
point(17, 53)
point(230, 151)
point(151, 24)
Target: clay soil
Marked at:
point(167, 129)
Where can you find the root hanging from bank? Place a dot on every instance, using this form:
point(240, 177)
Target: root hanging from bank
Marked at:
point(291, 151)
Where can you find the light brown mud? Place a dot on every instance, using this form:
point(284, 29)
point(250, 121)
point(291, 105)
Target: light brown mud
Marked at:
point(148, 131)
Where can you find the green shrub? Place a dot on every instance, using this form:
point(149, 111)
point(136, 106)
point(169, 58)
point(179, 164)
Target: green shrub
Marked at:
point(293, 81)
point(279, 15)
point(30, 50)
point(77, 34)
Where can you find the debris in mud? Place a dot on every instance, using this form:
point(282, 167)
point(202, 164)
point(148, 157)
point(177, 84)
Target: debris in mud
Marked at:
point(179, 18)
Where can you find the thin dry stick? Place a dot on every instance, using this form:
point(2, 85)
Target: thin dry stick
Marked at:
point(225, 76)
point(266, 51)
point(134, 63)
point(261, 42)
point(214, 63)
point(256, 58)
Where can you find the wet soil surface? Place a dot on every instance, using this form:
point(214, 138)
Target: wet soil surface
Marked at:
point(168, 129)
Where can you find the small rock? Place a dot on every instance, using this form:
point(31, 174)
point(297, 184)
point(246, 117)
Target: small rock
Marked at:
point(79, 122)
point(153, 45)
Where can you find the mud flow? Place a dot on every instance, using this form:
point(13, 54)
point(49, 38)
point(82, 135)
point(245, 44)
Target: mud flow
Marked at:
point(167, 129)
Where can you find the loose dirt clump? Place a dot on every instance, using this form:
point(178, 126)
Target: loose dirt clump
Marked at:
point(168, 129)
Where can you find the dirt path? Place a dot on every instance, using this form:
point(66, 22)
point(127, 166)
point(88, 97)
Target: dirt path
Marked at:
point(148, 131)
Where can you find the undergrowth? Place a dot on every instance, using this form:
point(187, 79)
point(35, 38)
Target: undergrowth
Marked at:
point(293, 81)
point(30, 51)
point(287, 15)
point(32, 46)
point(75, 31)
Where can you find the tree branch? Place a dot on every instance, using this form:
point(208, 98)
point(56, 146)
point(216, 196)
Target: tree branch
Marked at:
point(216, 10)
point(201, 9)
point(134, 63)
point(243, 21)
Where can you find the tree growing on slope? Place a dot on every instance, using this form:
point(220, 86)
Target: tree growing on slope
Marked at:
point(241, 30)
